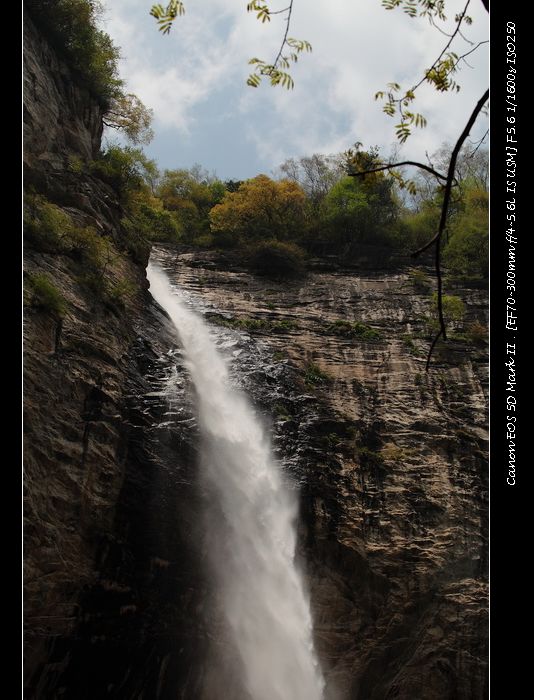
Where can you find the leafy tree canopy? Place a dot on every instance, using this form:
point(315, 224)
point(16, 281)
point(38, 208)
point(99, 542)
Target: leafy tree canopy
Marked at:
point(261, 208)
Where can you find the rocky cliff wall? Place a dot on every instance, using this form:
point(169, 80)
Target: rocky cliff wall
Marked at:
point(391, 462)
point(112, 581)
point(60, 118)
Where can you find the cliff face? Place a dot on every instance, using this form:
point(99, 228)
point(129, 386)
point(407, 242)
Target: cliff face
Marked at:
point(391, 461)
point(60, 118)
point(111, 573)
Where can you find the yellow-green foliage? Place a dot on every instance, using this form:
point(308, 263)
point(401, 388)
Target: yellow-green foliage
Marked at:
point(45, 224)
point(154, 223)
point(51, 229)
point(453, 312)
point(420, 280)
point(86, 245)
point(467, 251)
point(45, 296)
point(314, 375)
point(121, 168)
point(355, 329)
point(261, 209)
point(189, 195)
point(120, 292)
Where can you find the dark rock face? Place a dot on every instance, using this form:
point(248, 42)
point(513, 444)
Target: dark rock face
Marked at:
point(60, 119)
point(112, 583)
point(391, 463)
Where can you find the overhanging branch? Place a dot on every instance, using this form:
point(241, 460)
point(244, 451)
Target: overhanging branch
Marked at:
point(445, 210)
point(390, 166)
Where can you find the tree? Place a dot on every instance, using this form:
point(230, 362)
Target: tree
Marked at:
point(358, 213)
point(126, 169)
point(190, 195)
point(316, 174)
point(261, 209)
point(128, 114)
point(466, 253)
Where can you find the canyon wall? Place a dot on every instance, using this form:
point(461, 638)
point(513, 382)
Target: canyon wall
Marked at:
point(391, 461)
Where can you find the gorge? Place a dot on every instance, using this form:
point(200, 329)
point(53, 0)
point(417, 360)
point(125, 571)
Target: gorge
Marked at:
point(375, 501)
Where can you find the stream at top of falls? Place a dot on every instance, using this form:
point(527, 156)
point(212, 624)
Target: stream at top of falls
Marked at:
point(253, 542)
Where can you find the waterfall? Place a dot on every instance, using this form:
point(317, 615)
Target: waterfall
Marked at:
point(261, 589)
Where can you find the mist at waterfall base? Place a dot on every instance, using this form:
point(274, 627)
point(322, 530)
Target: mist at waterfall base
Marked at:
point(253, 549)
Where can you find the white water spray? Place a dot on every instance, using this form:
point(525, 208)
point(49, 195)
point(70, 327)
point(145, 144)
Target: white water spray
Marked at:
point(262, 590)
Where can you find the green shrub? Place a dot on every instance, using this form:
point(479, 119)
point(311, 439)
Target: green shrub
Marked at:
point(51, 229)
point(283, 326)
point(254, 324)
point(356, 329)
point(45, 296)
point(467, 250)
point(453, 312)
point(204, 241)
point(120, 291)
point(467, 253)
point(314, 375)
point(370, 458)
point(121, 168)
point(46, 225)
point(407, 340)
point(75, 164)
point(134, 240)
point(453, 307)
point(420, 280)
point(277, 259)
point(146, 223)
point(85, 245)
point(281, 412)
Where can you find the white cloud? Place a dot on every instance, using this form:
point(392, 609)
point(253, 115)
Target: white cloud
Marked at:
point(358, 48)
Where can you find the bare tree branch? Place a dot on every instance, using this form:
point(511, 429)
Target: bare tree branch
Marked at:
point(438, 59)
point(445, 210)
point(431, 350)
point(481, 141)
point(462, 57)
point(288, 23)
point(389, 166)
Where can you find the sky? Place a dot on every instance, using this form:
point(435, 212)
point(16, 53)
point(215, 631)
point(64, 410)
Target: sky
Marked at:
point(194, 79)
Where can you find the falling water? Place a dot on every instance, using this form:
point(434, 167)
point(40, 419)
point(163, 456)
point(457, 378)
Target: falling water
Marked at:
point(265, 605)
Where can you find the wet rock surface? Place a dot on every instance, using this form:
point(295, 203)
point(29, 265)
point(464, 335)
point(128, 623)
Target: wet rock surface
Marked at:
point(391, 463)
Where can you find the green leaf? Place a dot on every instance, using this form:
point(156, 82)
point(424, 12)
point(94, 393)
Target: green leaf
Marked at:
point(165, 17)
point(253, 80)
